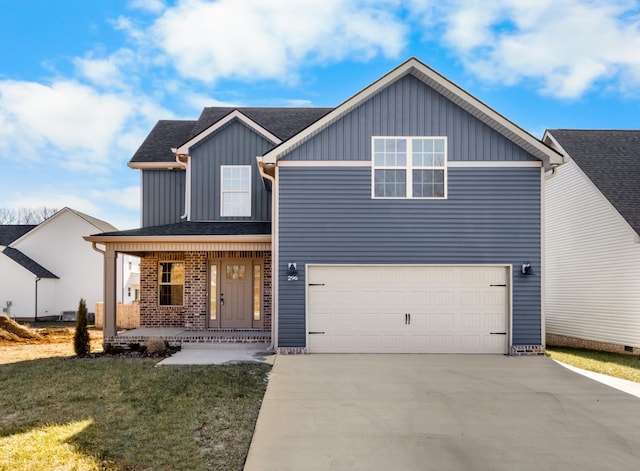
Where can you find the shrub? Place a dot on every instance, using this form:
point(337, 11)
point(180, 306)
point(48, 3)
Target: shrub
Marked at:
point(155, 345)
point(81, 343)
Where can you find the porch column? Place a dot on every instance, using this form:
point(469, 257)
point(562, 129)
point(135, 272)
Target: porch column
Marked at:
point(110, 257)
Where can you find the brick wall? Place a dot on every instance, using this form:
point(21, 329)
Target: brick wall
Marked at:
point(564, 341)
point(192, 315)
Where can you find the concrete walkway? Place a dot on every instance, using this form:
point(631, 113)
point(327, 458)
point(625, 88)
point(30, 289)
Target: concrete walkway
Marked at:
point(441, 412)
point(217, 354)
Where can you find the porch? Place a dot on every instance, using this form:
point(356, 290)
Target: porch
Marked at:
point(176, 336)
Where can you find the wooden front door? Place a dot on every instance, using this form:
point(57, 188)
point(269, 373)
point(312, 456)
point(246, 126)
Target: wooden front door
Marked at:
point(236, 297)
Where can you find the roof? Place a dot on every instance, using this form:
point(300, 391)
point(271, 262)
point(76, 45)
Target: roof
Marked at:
point(192, 228)
point(11, 232)
point(98, 223)
point(26, 262)
point(280, 122)
point(164, 135)
point(442, 85)
point(611, 160)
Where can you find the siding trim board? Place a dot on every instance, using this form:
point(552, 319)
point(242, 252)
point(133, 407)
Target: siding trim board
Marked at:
point(367, 163)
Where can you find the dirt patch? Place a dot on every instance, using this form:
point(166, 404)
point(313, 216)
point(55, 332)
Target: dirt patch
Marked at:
point(11, 331)
point(41, 342)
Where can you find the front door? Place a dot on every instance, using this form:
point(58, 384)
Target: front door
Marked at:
point(235, 297)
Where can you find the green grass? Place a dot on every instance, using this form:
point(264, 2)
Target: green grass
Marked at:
point(612, 364)
point(125, 414)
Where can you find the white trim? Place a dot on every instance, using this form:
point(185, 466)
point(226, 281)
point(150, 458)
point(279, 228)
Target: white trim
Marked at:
point(493, 163)
point(442, 85)
point(235, 114)
point(180, 238)
point(223, 191)
point(150, 165)
point(275, 258)
point(324, 163)
point(543, 312)
point(367, 163)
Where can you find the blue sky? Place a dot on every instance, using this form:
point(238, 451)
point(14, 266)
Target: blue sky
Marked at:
point(83, 81)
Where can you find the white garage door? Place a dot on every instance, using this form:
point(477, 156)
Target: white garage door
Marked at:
point(407, 309)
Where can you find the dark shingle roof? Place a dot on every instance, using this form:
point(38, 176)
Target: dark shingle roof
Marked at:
point(11, 232)
point(192, 228)
point(283, 122)
point(28, 263)
point(611, 160)
point(164, 135)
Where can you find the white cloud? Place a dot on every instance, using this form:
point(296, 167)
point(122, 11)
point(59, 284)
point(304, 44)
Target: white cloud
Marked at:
point(271, 39)
point(110, 72)
point(70, 124)
point(565, 46)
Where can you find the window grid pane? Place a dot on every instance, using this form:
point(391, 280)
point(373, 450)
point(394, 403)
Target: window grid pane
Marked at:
point(422, 176)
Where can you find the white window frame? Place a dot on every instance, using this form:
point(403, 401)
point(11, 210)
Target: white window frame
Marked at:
point(223, 191)
point(409, 168)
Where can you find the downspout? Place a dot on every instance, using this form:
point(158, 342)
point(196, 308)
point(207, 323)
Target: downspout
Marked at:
point(274, 254)
point(35, 318)
point(187, 183)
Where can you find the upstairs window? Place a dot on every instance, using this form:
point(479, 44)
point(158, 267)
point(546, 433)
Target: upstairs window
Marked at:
point(409, 167)
point(235, 190)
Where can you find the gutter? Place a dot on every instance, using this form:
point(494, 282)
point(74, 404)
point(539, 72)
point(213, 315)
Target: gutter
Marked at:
point(187, 185)
point(264, 169)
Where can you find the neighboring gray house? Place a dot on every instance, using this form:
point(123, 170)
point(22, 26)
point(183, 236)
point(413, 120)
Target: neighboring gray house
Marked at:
point(592, 218)
point(407, 219)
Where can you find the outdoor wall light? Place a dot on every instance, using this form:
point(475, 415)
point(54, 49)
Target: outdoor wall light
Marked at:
point(526, 268)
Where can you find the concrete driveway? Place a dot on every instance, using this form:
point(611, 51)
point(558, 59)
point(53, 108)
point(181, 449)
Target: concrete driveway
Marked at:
point(441, 412)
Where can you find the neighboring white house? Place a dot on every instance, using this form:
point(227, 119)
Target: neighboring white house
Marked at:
point(46, 269)
point(128, 279)
point(592, 241)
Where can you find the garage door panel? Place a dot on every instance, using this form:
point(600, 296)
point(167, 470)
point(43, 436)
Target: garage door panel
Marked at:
point(364, 309)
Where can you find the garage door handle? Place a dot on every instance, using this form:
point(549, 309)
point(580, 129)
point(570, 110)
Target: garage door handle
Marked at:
point(315, 333)
point(498, 333)
point(499, 285)
point(316, 284)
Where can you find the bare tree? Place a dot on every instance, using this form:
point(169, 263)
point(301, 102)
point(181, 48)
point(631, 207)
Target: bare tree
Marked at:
point(25, 215)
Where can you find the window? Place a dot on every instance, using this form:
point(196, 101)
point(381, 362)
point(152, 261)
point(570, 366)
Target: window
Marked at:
point(409, 167)
point(235, 189)
point(171, 283)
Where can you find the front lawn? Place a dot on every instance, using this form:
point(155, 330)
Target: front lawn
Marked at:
point(124, 414)
point(612, 364)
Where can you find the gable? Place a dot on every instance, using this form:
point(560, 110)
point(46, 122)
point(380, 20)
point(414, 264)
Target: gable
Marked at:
point(409, 107)
point(611, 160)
point(446, 88)
point(233, 144)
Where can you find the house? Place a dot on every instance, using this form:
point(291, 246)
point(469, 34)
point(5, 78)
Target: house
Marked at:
point(592, 216)
point(406, 219)
point(45, 269)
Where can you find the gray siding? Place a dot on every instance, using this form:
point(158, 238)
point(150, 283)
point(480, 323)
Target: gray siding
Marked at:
point(162, 196)
point(235, 144)
point(492, 215)
point(408, 107)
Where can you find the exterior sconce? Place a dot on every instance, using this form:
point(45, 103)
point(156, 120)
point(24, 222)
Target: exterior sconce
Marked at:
point(292, 271)
point(526, 268)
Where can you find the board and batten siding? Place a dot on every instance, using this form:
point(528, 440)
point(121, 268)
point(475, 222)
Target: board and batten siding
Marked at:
point(234, 144)
point(492, 216)
point(592, 288)
point(409, 107)
point(162, 196)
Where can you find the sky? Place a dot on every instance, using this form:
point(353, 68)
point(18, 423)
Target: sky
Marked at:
point(82, 82)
